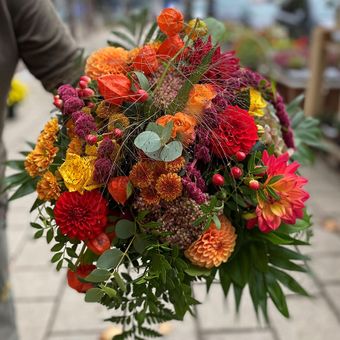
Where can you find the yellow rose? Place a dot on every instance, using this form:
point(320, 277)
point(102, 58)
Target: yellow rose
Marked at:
point(77, 173)
point(257, 103)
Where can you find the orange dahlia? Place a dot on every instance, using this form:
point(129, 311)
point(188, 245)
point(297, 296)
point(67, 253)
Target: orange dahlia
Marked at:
point(48, 188)
point(214, 246)
point(169, 186)
point(141, 175)
point(107, 60)
point(175, 165)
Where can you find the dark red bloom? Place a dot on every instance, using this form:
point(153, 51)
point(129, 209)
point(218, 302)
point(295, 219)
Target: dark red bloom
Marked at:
point(81, 216)
point(82, 271)
point(236, 131)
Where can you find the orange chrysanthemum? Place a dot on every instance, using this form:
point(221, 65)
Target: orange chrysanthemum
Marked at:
point(141, 175)
point(214, 246)
point(40, 158)
point(175, 165)
point(70, 129)
point(169, 186)
point(149, 196)
point(107, 60)
point(75, 146)
point(48, 188)
point(49, 133)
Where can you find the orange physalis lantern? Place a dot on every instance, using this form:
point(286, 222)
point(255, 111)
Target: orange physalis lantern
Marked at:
point(170, 21)
point(120, 189)
point(115, 88)
point(146, 60)
point(170, 47)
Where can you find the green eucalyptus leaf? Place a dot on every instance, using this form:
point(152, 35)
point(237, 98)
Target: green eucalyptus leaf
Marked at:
point(171, 151)
point(148, 141)
point(119, 281)
point(166, 132)
point(125, 229)
point(143, 81)
point(109, 259)
point(216, 29)
point(109, 291)
point(98, 275)
point(154, 127)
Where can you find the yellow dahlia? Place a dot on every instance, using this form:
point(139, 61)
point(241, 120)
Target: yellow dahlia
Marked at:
point(77, 173)
point(141, 175)
point(169, 186)
point(214, 246)
point(176, 165)
point(257, 103)
point(48, 188)
point(107, 60)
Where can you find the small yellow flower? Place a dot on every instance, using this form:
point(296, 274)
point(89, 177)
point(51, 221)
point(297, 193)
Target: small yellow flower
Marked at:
point(77, 173)
point(257, 103)
point(17, 92)
point(196, 28)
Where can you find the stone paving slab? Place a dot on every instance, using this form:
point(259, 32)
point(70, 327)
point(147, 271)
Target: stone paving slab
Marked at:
point(263, 335)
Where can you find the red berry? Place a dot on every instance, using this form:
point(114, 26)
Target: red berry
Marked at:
point(236, 172)
point(58, 102)
point(90, 105)
point(254, 184)
point(85, 78)
point(91, 139)
point(87, 92)
point(218, 180)
point(83, 84)
point(117, 133)
point(240, 156)
point(99, 244)
point(142, 96)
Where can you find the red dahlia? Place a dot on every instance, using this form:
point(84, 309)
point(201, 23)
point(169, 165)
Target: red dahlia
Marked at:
point(82, 217)
point(236, 132)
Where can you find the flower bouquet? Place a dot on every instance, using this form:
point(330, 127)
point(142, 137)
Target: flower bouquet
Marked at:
point(168, 164)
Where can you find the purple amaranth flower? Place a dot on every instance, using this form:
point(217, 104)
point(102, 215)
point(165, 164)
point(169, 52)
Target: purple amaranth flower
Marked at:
point(106, 148)
point(72, 104)
point(84, 125)
point(194, 191)
point(103, 169)
point(67, 90)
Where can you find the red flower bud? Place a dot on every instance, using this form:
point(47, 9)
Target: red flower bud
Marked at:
point(87, 92)
point(240, 156)
point(99, 244)
point(85, 78)
point(91, 139)
point(58, 102)
point(254, 184)
point(236, 172)
point(83, 84)
point(142, 96)
point(117, 133)
point(90, 105)
point(218, 180)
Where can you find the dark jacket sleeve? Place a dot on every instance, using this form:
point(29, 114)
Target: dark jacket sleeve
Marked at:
point(44, 44)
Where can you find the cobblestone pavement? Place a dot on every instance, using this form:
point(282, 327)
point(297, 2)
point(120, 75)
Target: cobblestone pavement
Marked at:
point(48, 310)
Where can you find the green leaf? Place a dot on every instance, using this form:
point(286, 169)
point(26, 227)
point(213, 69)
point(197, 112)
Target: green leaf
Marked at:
point(39, 233)
point(238, 296)
point(171, 151)
point(166, 132)
point(94, 295)
point(140, 243)
point(143, 81)
point(274, 179)
point(225, 280)
point(197, 271)
point(217, 221)
point(154, 127)
point(109, 291)
point(56, 257)
point(15, 180)
point(216, 29)
point(151, 32)
point(276, 294)
point(300, 225)
point(259, 256)
point(288, 281)
point(148, 141)
point(109, 259)
point(119, 281)
point(125, 229)
point(98, 275)
point(25, 189)
point(36, 225)
point(286, 264)
point(277, 238)
point(16, 164)
point(37, 203)
point(49, 235)
point(57, 247)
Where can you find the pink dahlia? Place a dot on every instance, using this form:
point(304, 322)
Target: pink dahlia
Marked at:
point(81, 216)
point(288, 204)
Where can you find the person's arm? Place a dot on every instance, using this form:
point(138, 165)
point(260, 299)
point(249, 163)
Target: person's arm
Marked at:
point(44, 44)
